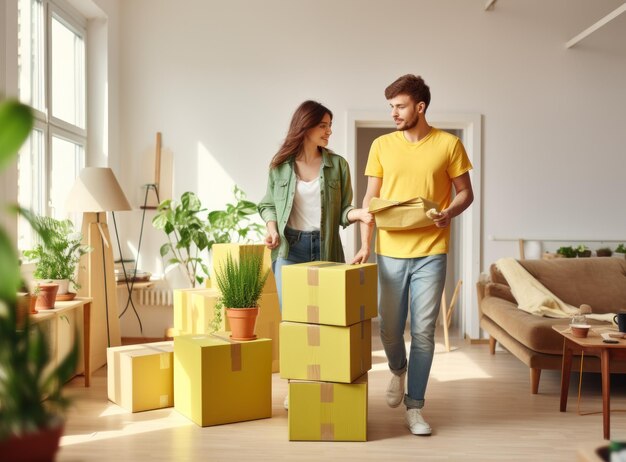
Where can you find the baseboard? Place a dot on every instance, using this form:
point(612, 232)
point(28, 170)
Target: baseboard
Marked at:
point(140, 340)
point(476, 341)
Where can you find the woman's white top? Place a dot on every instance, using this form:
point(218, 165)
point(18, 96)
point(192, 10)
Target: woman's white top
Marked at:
point(306, 211)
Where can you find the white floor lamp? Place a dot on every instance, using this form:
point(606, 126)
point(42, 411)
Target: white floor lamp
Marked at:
point(96, 192)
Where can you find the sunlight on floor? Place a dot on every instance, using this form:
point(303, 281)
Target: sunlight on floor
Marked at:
point(447, 366)
point(171, 420)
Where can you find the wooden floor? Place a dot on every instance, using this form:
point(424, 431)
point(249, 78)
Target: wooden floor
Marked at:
point(479, 406)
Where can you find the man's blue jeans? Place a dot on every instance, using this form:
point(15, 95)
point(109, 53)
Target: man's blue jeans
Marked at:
point(422, 280)
point(304, 246)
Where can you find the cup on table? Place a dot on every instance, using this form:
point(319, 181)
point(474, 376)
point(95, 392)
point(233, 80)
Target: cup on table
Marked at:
point(620, 320)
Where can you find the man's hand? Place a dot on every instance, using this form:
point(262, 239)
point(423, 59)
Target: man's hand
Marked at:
point(361, 256)
point(441, 219)
point(272, 239)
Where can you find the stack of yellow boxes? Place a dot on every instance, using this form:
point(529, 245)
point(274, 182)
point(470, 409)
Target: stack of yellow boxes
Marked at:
point(326, 348)
point(194, 309)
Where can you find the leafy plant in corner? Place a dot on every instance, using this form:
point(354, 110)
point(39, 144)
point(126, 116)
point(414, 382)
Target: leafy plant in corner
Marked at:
point(57, 258)
point(189, 234)
point(233, 224)
point(621, 248)
point(31, 401)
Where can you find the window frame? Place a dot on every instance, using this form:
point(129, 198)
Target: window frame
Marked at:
point(44, 120)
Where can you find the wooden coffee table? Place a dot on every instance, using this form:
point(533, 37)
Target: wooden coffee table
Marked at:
point(591, 345)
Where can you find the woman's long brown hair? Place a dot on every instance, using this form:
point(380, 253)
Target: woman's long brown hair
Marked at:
point(308, 115)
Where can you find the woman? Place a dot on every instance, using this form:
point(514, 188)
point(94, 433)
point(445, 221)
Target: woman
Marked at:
point(309, 194)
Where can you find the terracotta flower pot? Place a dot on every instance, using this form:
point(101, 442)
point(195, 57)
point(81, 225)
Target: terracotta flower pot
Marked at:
point(242, 322)
point(47, 296)
point(40, 445)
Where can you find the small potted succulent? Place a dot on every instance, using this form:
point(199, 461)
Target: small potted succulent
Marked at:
point(241, 284)
point(583, 251)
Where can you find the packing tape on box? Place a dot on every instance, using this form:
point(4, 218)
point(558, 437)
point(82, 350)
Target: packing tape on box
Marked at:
point(235, 353)
point(164, 360)
point(313, 314)
point(327, 431)
point(313, 335)
point(314, 372)
point(327, 392)
point(313, 282)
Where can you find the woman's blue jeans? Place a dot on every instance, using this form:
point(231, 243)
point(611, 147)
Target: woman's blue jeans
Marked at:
point(304, 246)
point(422, 281)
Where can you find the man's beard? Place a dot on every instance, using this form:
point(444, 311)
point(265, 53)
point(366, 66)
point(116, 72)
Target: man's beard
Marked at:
point(409, 124)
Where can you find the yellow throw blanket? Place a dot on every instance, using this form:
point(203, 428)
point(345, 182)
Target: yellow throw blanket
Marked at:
point(533, 297)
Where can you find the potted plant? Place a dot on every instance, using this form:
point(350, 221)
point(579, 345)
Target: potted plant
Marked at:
point(57, 260)
point(31, 402)
point(583, 251)
point(620, 251)
point(604, 252)
point(567, 252)
point(190, 233)
point(241, 284)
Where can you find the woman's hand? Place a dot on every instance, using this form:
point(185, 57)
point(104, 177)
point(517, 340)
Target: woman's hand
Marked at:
point(272, 240)
point(361, 215)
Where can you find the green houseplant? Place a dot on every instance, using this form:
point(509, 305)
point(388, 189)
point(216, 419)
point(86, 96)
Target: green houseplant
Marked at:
point(567, 252)
point(58, 258)
point(621, 250)
point(583, 251)
point(31, 401)
point(241, 284)
point(190, 232)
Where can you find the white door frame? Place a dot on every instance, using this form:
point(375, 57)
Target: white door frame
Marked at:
point(471, 124)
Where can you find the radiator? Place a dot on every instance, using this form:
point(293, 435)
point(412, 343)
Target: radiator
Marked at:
point(155, 296)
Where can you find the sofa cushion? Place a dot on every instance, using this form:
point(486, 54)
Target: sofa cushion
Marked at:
point(495, 289)
point(535, 332)
point(598, 282)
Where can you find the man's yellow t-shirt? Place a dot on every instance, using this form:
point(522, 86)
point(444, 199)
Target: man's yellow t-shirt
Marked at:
point(425, 169)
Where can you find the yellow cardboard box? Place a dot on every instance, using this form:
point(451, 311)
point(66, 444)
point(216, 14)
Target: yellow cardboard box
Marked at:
point(220, 251)
point(219, 381)
point(268, 323)
point(141, 377)
point(324, 411)
point(325, 353)
point(182, 309)
point(330, 293)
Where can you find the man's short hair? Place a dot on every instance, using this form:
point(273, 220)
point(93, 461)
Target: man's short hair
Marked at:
point(411, 85)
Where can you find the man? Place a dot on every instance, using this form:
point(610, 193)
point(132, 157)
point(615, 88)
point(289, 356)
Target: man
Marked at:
point(416, 160)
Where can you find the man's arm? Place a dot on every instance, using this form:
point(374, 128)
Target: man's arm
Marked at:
point(464, 196)
point(373, 190)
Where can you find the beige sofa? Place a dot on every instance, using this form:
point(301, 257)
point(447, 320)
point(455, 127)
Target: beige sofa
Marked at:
point(598, 282)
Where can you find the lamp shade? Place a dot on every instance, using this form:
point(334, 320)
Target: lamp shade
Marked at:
point(97, 190)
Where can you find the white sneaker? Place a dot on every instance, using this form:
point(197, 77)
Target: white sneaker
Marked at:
point(395, 390)
point(416, 422)
point(286, 403)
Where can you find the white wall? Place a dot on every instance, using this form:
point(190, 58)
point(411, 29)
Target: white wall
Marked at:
point(221, 79)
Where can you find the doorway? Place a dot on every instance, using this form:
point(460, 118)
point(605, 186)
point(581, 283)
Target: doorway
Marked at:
point(464, 258)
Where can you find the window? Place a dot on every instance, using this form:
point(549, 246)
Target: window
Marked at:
point(51, 60)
